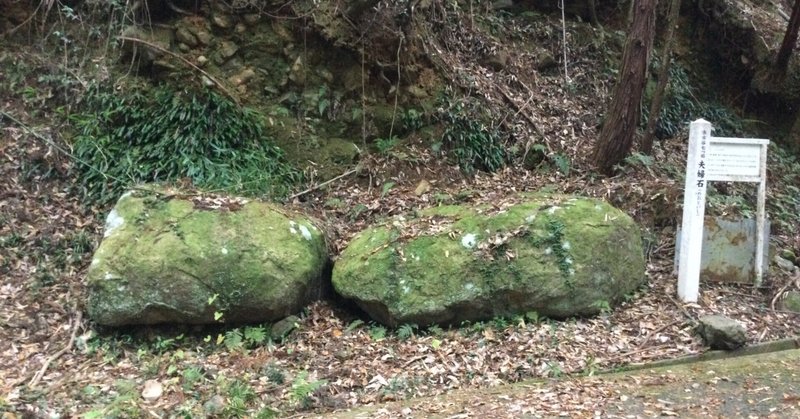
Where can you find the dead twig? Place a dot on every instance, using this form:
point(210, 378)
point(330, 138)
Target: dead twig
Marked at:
point(783, 289)
point(657, 331)
point(75, 326)
point(635, 351)
point(185, 61)
point(683, 309)
point(319, 185)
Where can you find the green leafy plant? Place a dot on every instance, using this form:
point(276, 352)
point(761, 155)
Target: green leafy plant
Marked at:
point(385, 145)
point(639, 159)
point(553, 369)
point(681, 106)
point(435, 330)
point(255, 335)
point(123, 405)
point(406, 331)
point(355, 324)
point(500, 323)
point(436, 343)
point(387, 187)
point(234, 340)
point(190, 377)
point(533, 316)
point(240, 395)
point(125, 138)
point(274, 374)
point(562, 163)
point(302, 389)
point(377, 333)
point(473, 144)
point(162, 344)
point(412, 120)
point(11, 240)
point(603, 306)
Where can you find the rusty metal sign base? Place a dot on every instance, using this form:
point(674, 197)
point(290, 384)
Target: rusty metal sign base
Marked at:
point(729, 250)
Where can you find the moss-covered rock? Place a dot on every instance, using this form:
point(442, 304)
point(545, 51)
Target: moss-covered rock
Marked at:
point(558, 255)
point(168, 259)
point(791, 301)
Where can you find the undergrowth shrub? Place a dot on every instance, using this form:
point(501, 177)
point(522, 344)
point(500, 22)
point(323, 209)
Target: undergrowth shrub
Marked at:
point(164, 135)
point(473, 144)
point(681, 106)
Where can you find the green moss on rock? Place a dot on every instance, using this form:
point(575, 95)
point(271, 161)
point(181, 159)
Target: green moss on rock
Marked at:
point(558, 255)
point(171, 260)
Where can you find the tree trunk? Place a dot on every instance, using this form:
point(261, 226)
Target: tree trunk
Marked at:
point(789, 40)
point(622, 118)
point(593, 13)
point(663, 77)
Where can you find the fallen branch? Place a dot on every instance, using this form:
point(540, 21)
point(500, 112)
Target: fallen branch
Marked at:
point(783, 289)
point(319, 185)
point(657, 331)
point(683, 309)
point(185, 61)
point(635, 351)
point(75, 325)
point(520, 110)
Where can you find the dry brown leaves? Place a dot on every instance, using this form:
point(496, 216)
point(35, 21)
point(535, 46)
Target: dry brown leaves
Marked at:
point(37, 208)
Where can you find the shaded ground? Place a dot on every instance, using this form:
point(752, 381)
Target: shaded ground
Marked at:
point(765, 385)
point(334, 360)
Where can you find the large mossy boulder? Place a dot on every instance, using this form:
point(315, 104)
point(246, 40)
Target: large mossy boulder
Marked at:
point(172, 259)
point(560, 256)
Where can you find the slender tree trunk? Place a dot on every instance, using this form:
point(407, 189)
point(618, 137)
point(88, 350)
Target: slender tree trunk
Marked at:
point(663, 77)
point(593, 13)
point(622, 117)
point(789, 40)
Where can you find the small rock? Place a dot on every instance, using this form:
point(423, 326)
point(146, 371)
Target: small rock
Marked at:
point(423, 187)
point(202, 60)
point(497, 61)
point(789, 255)
point(784, 264)
point(214, 405)
point(251, 18)
point(152, 390)
point(791, 301)
point(228, 49)
point(298, 74)
point(720, 332)
point(417, 91)
point(284, 327)
point(203, 37)
point(326, 75)
point(183, 47)
point(544, 60)
point(243, 77)
point(222, 21)
point(183, 35)
point(502, 5)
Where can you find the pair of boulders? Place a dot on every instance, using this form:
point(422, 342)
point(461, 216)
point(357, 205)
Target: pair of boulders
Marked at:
point(173, 258)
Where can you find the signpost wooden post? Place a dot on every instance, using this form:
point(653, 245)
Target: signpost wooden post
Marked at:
point(717, 159)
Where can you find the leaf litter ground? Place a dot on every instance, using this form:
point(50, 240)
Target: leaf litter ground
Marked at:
point(53, 362)
point(105, 371)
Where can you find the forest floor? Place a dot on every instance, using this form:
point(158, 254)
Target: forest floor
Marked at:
point(765, 385)
point(56, 363)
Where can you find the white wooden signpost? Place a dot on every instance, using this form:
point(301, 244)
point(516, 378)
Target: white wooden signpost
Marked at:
point(717, 159)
